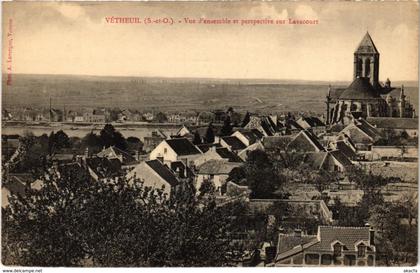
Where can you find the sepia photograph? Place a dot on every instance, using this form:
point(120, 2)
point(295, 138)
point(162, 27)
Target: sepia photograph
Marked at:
point(209, 134)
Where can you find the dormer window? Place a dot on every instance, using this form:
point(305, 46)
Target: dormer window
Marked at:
point(337, 249)
point(361, 250)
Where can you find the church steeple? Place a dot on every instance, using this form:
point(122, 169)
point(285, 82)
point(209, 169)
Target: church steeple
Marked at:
point(366, 61)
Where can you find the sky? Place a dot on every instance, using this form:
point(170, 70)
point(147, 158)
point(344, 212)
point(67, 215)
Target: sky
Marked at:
point(74, 38)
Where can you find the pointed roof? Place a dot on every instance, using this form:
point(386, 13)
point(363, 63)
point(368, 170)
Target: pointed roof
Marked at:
point(367, 45)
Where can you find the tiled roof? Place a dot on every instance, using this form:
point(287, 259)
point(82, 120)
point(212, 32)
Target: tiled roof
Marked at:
point(234, 142)
point(394, 123)
point(360, 89)
point(313, 139)
point(272, 142)
point(292, 124)
point(217, 167)
point(112, 152)
point(227, 154)
point(340, 157)
point(348, 236)
point(104, 167)
point(313, 121)
point(183, 146)
point(367, 128)
point(205, 147)
point(290, 244)
point(346, 150)
point(163, 171)
point(316, 160)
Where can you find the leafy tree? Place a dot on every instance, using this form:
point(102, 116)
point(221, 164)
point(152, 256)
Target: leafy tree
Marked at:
point(197, 138)
point(227, 127)
point(57, 141)
point(92, 141)
point(209, 134)
point(261, 175)
point(246, 119)
point(160, 118)
point(134, 144)
point(111, 137)
point(73, 221)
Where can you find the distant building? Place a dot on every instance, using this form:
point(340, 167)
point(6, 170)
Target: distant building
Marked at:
point(217, 153)
point(313, 124)
point(127, 160)
point(96, 116)
point(398, 125)
point(366, 96)
point(332, 246)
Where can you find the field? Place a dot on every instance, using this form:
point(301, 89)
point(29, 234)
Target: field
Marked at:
point(172, 95)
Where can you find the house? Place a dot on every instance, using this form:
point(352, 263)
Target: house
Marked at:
point(14, 185)
point(256, 146)
point(96, 116)
point(292, 127)
point(217, 153)
point(362, 134)
point(248, 137)
point(176, 149)
point(313, 124)
point(150, 142)
point(346, 147)
point(398, 125)
point(156, 175)
point(112, 152)
point(207, 146)
point(304, 142)
point(333, 161)
point(215, 171)
point(265, 124)
point(181, 170)
point(232, 143)
point(331, 246)
point(101, 168)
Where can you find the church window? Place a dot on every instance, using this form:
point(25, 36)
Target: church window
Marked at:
point(367, 68)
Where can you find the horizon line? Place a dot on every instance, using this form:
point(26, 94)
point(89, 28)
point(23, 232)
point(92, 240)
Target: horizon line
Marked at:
point(198, 78)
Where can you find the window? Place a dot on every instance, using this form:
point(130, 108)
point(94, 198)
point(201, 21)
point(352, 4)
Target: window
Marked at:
point(361, 250)
point(326, 259)
point(337, 249)
point(311, 259)
point(165, 150)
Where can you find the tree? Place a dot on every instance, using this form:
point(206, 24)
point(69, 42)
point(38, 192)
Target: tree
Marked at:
point(57, 141)
point(261, 175)
point(72, 221)
point(160, 118)
point(197, 138)
point(134, 144)
point(227, 127)
point(246, 119)
point(111, 137)
point(92, 141)
point(209, 134)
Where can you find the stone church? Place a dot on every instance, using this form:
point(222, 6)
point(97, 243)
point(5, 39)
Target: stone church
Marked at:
point(366, 96)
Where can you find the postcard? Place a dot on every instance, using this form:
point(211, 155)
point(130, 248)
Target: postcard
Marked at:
point(209, 134)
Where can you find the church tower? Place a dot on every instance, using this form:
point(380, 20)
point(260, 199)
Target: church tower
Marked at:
point(366, 61)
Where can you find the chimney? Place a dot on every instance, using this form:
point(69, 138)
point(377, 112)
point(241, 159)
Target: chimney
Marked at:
point(371, 234)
